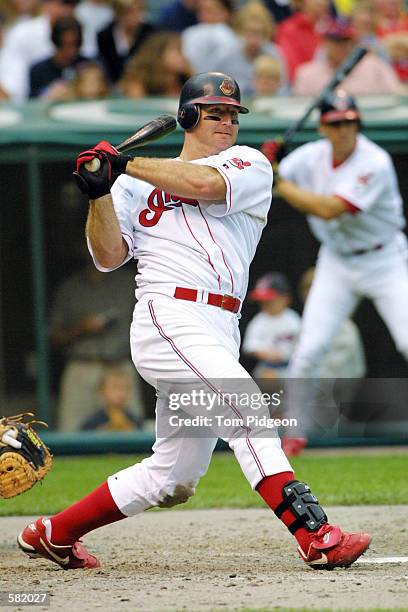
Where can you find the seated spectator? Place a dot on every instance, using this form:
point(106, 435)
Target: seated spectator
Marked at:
point(113, 413)
point(178, 15)
point(267, 79)
point(272, 334)
point(363, 22)
point(203, 43)
point(159, 68)
point(371, 75)
point(391, 17)
point(14, 12)
point(255, 29)
point(396, 46)
point(299, 36)
point(280, 9)
point(392, 28)
point(94, 16)
point(123, 36)
point(89, 83)
point(50, 78)
point(90, 321)
point(30, 42)
point(267, 82)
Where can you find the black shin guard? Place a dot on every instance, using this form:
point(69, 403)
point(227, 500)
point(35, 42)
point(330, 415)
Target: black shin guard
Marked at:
point(303, 505)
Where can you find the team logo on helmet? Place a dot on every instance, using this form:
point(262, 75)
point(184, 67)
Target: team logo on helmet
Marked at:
point(227, 86)
point(341, 100)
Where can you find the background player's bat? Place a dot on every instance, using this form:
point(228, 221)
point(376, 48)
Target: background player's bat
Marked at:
point(157, 128)
point(343, 70)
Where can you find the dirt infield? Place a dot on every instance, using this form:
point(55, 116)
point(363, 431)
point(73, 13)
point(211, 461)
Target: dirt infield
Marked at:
point(213, 559)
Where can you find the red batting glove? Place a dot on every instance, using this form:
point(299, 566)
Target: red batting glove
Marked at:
point(274, 150)
point(106, 147)
point(104, 150)
point(87, 156)
point(117, 160)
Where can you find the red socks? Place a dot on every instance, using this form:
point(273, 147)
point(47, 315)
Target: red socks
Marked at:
point(270, 489)
point(93, 511)
point(98, 509)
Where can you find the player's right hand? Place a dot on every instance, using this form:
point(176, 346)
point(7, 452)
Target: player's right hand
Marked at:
point(274, 150)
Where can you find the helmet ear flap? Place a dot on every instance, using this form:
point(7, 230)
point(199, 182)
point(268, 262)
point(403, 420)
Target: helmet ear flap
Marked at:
point(188, 116)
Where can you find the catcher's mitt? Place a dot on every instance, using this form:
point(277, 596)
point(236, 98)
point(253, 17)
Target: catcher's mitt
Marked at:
point(24, 458)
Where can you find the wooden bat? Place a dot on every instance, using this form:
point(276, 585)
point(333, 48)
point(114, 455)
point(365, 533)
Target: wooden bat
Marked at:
point(153, 130)
point(343, 70)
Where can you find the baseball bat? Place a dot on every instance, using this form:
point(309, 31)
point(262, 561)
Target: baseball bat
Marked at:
point(343, 70)
point(153, 130)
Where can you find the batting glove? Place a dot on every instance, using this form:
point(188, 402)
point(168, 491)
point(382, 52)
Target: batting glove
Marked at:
point(117, 160)
point(274, 150)
point(94, 184)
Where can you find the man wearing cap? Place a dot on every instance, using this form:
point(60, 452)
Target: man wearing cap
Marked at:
point(371, 76)
point(347, 187)
point(271, 335)
point(194, 224)
point(28, 44)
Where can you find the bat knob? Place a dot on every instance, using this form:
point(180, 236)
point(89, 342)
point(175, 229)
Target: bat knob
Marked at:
point(93, 165)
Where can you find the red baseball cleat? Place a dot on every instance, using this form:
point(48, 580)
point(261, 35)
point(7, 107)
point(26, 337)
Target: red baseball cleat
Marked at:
point(293, 446)
point(34, 542)
point(332, 548)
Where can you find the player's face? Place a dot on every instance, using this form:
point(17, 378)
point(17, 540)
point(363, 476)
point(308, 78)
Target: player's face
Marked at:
point(342, 136)
point(277, 305)
point(218, 127)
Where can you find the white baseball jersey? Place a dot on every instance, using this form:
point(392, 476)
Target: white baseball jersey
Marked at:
point(366, 181)
point(267, 332)
point(188, 243)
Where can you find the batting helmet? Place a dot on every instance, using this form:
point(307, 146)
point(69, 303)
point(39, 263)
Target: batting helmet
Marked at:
point(338, 106)
point(207, 88)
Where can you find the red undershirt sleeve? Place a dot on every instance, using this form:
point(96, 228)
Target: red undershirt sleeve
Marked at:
point(351, 208)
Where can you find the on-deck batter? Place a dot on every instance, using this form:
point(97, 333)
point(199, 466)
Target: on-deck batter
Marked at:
point(194, 251)
point(347, 186)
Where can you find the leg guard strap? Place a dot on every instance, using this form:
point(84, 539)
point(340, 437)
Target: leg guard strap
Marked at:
point(303, 505)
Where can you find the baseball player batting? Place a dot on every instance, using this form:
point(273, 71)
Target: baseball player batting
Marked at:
point(347, 186)
point(194, 250)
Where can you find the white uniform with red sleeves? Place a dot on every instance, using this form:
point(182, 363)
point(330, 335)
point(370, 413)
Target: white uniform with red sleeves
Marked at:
point(185, 243)
point(363, 252)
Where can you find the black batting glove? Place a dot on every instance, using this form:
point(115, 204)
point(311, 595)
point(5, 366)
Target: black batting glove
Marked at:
point(94, 184)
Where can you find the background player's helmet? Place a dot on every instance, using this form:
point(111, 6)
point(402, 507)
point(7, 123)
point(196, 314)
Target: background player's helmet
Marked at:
point(207, 88)
point(338, 106)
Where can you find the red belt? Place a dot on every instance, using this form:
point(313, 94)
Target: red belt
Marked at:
point(226, 302)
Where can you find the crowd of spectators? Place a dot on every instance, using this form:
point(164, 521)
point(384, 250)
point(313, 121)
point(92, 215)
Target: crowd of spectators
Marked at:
point(89, 49)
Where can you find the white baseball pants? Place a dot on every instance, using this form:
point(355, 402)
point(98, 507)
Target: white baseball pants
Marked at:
point(173, 339)
point(338, 286)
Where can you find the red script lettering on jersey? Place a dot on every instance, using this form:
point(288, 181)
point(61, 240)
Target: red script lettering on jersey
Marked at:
point(239, 163)
point(159, 202)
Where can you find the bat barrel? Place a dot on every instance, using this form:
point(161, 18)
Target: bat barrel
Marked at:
point(155, 129)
